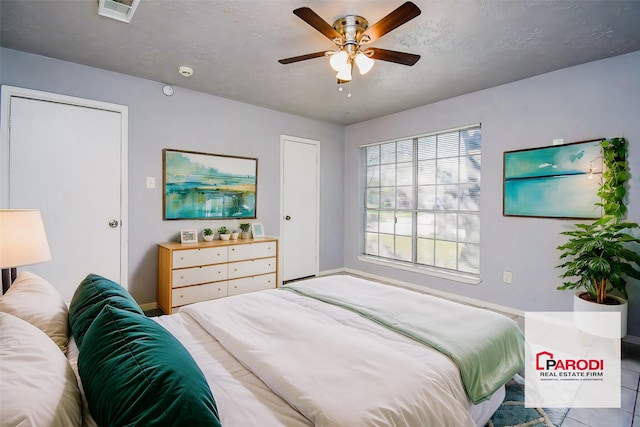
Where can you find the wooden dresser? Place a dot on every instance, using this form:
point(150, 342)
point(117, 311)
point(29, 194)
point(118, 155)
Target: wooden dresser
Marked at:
point(202, 271)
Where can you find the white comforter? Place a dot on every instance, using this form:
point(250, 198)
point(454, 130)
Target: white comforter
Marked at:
point(335, 367)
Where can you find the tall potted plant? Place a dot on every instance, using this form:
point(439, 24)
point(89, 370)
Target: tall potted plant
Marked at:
point(599, 257)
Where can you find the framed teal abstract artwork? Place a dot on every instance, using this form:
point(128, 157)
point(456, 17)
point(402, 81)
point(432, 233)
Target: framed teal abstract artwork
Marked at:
point(208, 186)
point(559, 181)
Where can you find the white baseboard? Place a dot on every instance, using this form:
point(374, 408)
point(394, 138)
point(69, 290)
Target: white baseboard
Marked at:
point(329, 272)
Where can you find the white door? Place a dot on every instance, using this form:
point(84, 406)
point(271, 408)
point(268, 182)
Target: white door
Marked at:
point(67, 161)
point(300, 202)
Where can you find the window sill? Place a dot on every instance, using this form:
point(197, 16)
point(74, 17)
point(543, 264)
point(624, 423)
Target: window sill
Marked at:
point(457, 277)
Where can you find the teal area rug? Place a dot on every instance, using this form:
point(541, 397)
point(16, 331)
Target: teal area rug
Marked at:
point(512, 412)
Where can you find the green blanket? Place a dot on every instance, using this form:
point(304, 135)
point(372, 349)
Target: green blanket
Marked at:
point(487, 347)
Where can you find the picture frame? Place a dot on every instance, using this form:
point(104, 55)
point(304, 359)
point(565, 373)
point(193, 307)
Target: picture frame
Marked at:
point(558, 181)
point(208, 186)
point(257, 230)
point(188, 236)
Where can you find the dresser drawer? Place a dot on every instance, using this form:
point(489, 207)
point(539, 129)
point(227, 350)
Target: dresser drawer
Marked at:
point(196, 275)
point(252, 267)
point(251, 284)
point(193, 294)
point(252, 250)
point(203, 256)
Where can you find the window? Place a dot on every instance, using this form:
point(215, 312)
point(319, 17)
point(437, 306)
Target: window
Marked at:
point(422, 200)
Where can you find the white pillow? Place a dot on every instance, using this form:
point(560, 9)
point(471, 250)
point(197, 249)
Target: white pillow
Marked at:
point(38, 386)
point(35, 300)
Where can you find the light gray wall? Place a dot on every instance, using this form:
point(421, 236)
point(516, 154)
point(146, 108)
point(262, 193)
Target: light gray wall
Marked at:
point(191, 121)
point(599, 99)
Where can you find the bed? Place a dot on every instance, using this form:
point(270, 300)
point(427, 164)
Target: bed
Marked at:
point(330, 351)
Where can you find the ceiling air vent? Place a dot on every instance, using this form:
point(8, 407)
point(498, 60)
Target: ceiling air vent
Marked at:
point(122, 10)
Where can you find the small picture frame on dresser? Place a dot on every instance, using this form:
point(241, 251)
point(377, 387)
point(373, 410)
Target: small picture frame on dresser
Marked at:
point(257, 230)
point(189, 236)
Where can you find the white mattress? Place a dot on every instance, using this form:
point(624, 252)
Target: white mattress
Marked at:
point(244, 400)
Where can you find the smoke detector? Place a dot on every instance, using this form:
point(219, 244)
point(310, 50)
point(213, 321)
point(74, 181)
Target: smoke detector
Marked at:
point(185, 71)
point(121, 10)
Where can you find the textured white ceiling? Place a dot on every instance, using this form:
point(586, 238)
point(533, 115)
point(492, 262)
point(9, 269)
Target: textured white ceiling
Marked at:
point(234, 47)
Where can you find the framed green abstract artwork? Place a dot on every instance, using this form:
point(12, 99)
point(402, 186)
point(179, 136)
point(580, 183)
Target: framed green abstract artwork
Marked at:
point(208, 186)
point(559, 181)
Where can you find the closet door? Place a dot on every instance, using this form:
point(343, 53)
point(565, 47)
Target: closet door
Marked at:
point(66, 159)
point(299, 245)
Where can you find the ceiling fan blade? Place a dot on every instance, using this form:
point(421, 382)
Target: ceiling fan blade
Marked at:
point(312, 18)
point(393, 56)
point(403, 14)
point(301, 57)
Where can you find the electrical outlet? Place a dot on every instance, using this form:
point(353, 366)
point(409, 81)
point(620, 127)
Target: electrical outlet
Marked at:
point(507, 276)
point(151, 182)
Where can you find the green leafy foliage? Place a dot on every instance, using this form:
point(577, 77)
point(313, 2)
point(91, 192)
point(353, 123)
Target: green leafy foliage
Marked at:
point(245, 227)
point(599, 257)
point(614, 177)
point(207, 232)
point(223, 230)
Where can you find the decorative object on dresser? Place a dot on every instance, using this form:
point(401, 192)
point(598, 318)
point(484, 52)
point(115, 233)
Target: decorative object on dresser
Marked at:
point(207, 234)
point(189, 236)
point(245, 229)
point(23, 241)
point(257, 230)
point(224, 233)
point(208, 186)
point(235, 234)
point(221, 268)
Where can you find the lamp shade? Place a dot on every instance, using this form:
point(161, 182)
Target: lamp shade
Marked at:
point(364, 63)
point(339, 60)
point(23, 240)
point(345, 72)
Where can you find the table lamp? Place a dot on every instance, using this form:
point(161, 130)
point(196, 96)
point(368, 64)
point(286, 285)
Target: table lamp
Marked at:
point(23, 241)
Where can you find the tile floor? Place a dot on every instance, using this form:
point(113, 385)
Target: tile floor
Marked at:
point(629, 413)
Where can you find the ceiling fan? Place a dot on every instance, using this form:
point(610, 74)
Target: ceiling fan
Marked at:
point(351, 34)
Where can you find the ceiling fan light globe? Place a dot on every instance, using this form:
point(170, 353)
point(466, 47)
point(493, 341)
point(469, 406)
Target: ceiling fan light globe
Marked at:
point(344, 73)
point(338, 60)
point(364, 63)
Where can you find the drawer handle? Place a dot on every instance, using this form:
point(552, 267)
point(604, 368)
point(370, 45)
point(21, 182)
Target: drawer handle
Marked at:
point(181, 296)
point(235, 286)
point(182, 277)
point(233, 249)
point(219, 289)
point(181, 257)
point(235, 269)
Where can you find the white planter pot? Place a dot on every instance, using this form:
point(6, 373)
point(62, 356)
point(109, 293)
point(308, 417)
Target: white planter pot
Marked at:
point(225, 236)
point(587, 323)
point(208, 238)
point(234, 236)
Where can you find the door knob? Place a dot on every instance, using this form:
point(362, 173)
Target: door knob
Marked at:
point(113, 223)
point(287, 217)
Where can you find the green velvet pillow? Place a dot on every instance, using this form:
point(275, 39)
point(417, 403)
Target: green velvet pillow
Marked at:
point(136, 374)
point(93, 293)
